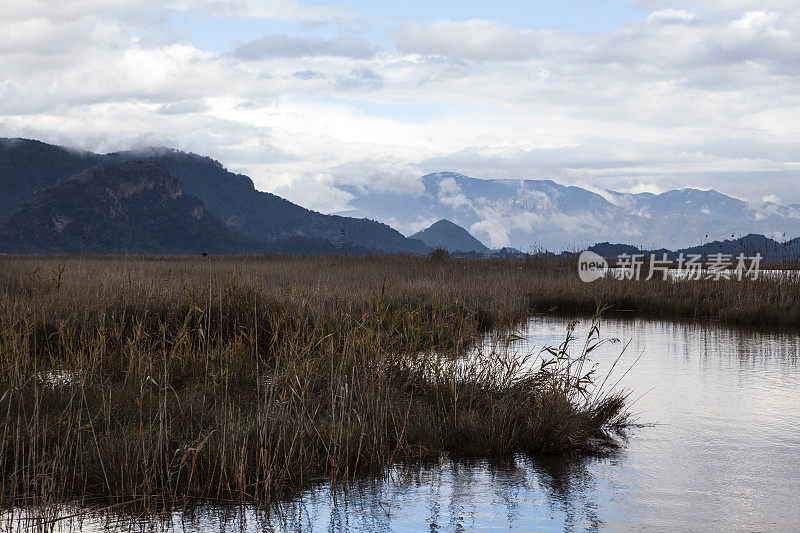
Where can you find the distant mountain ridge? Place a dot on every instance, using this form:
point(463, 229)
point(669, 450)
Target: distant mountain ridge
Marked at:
point(27, 166)
point(748, 245)
point(527, 215)
point(129, 207)
point(451, 237)
point(541, 214)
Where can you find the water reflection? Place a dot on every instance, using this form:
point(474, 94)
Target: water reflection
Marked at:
point(452, 494)
point(724, 453)
point(456, 494)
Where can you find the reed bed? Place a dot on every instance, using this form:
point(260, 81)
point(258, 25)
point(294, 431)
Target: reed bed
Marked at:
point(241, 379)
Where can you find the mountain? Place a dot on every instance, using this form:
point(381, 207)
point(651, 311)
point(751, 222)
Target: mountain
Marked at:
point(262, 216)
point(451, 237)
point(528, 215)
point(130, 207)
point(27, 166)
point(541, 214)
point(749, 246)
point(610, 251)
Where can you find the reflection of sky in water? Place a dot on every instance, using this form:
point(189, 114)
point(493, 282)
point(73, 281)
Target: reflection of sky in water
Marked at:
point(724, 455)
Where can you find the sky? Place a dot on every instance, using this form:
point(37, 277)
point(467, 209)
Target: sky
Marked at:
point(629, 95)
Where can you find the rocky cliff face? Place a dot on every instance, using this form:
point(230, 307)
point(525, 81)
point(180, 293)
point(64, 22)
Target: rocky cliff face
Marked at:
point(133, 207)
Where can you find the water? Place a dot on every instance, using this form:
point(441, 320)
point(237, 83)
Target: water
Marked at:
point(723, 453)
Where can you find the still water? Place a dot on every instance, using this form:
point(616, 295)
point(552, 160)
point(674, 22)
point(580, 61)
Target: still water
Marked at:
point(722, 452)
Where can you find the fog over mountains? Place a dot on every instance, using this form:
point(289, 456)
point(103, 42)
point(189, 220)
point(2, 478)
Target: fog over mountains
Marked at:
point(534, 214)
point(159, 200)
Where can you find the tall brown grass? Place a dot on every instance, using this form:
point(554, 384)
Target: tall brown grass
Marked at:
point(175, 379)
point(155, 379)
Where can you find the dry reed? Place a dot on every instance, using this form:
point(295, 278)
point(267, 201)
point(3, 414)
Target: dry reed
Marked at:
point(142, 379)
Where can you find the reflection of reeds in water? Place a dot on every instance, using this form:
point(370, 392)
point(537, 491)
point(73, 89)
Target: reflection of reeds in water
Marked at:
point(155, 380)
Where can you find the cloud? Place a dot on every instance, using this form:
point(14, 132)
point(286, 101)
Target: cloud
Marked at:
point(448, 186)
point(308, 74)
point(291, 46)
point(693, 94)
point(666, 16)
point(716, 8)
point(65, 10)
point(316, 192)
point(640, 188)
point(493, 231)
point(290, 10)
point(42, 36)
point(674, 42)
point(476, 39)
point(180, 108)
point(361, 78)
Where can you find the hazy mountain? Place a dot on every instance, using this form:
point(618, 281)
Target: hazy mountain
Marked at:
point(26, 166)
point(535, 214)
point(131, 207)
point(749, 246)
point(451, 237)
point(529, 215)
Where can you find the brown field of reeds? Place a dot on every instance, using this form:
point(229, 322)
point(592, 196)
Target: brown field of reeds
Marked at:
point(136, 379)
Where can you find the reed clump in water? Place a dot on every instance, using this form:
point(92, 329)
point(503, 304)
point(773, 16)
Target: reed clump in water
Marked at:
point(155, 379)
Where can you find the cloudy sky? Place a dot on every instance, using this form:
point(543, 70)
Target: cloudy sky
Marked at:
point(630, 95)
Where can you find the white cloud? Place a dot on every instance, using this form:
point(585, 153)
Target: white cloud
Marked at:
point(291, 46)
point(719, 8)
point(457, 201)
point(291, 10)
point(476, 38)
point(694, 94)
point(449, 186)
point(75, 9)
point(316, 192)
point(494, 232)
point(642, 188)
point(671, 15)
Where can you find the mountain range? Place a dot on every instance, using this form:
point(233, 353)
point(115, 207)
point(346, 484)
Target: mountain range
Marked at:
point(159, 200)
point(38, 180)
point(533, 215)
point(749, 245)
